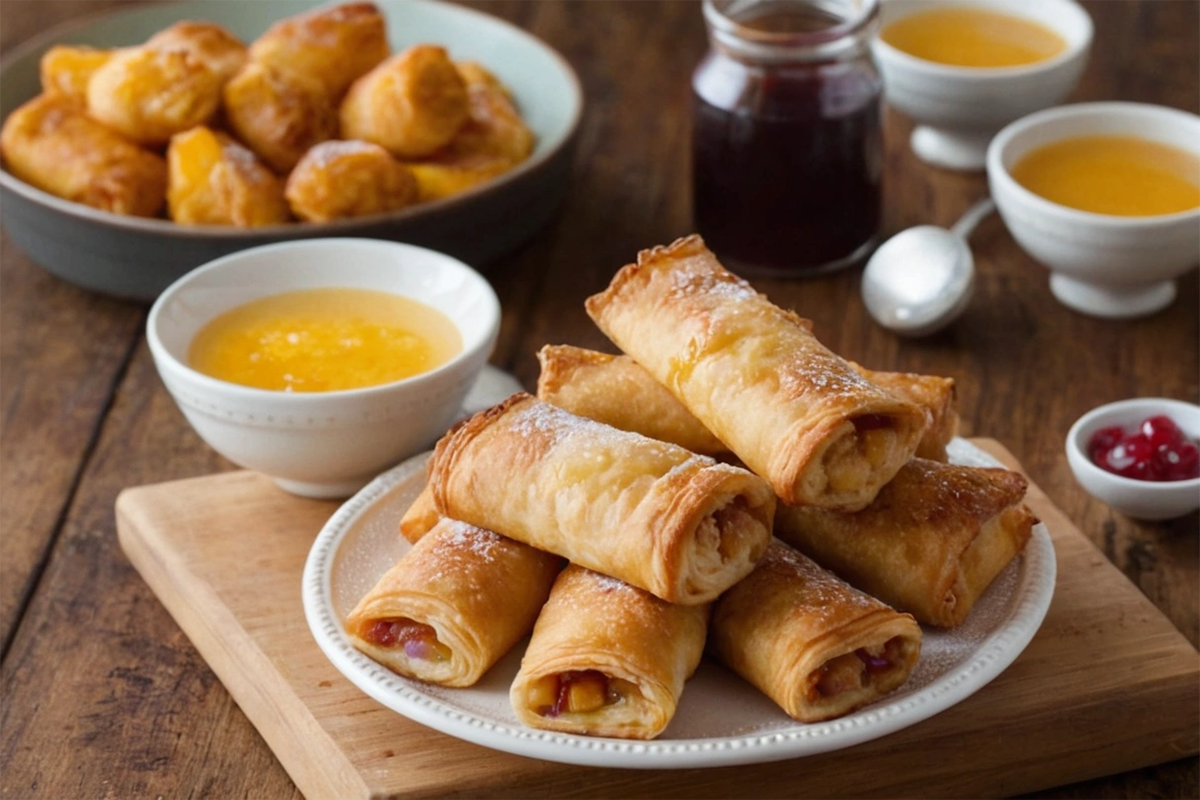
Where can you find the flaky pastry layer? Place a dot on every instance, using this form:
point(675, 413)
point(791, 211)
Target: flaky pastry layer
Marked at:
point(812, 643)
point(644, 648)
point(479, 592)
point(650, 513)
point(755, 376)
point(930, 544)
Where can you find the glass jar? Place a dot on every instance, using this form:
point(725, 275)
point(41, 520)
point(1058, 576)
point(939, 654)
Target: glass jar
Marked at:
point(786, 140)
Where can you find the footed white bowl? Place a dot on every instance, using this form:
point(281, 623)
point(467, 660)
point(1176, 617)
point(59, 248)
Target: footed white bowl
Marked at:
point(1100, 264)
point(959, 109)
point(323, 444)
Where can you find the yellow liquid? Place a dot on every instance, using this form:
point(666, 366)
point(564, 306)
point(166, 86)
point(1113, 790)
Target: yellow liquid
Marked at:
point(973, 37)
point(1122, 175)
point(324, 340)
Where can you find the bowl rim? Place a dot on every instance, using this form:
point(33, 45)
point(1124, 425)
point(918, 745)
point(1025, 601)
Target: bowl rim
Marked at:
point(981, 74)
point(1079, 460)
point(163, 357)
point(349, 225)
point(999, 173)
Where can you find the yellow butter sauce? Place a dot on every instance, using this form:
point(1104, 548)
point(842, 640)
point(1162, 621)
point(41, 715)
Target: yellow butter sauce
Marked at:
point(324, 340)
point(1120, 175)
point(973, 37)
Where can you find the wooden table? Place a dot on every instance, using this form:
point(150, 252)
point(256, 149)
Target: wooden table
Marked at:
point(103, 696)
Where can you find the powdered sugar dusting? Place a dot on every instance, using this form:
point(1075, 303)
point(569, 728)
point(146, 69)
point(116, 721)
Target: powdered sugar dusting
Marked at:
point(323, 154)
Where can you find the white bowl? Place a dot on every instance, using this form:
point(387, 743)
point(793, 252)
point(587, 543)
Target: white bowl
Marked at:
point(1148, 500)
point(959, 109)
point(1100, 264)
point(323, 444)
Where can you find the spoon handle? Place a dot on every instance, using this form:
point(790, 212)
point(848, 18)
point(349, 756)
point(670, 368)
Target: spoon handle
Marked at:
point(975, 215)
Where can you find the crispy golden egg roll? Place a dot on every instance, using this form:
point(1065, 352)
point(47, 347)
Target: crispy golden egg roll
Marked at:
point(755, 376)
point(493, 140)
point(616, 391)
point(412, 104)
point(341, 179)
point(213, 180)
point(607, 659)
point(51, 144)
point(278, 114)
point(149, 94)
point(930, 544)
point(65, 70)
point(453, 604)
point(679, 525)
point(219, 49)
point(936, 395)
point(811, 642)
point(420, 517)
point(333, 46)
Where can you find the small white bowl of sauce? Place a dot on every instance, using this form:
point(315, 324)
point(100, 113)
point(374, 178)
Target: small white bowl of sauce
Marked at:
point(964, 70)
point(322, 362)
point(1107, 196)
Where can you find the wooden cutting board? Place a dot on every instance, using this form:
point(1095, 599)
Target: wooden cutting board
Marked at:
point(1106, 686)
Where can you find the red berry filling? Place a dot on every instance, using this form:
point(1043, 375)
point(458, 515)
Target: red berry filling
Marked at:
point(1156, 450)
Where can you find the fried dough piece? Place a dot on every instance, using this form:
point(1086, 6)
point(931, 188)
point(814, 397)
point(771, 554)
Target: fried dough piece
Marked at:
point(219, 49)
point(493, 140)
point(65, 70)
point(214, 180)
point(279, 115)
point(332, 46)
point(51, 144)
point(339, 179)
point(149, 94)
point(413, 104)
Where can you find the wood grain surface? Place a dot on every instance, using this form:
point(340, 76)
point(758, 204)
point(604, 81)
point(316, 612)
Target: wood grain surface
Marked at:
point(1107, 682)
point(103, 695)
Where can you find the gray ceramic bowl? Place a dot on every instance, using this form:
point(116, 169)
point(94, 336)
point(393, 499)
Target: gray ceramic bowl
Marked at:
point(138, 258)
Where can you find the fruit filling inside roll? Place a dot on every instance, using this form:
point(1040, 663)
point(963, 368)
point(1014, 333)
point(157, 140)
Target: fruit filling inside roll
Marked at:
point(417, 639)
point(863, 449)
point(579, 692)
point(868, 671)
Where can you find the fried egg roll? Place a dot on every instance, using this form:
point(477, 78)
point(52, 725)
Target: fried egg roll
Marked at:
point(937, 396)
point(930, 544)
point(754, 375)
point(420, 517)
point(278, 114)
point(607, 659)
point(679, 525)
point(811, 642)
point(453, 604)
point(223, 52)
point(51, 144)
point(213, 180)
point(616, 390)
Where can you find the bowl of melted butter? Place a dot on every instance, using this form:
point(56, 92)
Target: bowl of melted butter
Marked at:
point(1107, 197)
point(323, 362)
point(963, 69)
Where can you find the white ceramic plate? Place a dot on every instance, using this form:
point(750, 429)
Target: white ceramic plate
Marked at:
point(721, 719)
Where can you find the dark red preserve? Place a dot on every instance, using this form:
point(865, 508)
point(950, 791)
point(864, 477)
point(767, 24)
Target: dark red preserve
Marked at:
point(1156, 450)
point(786, 140)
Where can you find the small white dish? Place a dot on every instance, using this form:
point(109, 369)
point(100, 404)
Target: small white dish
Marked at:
point(721, 719)
point(959, 109)
point(1148, 500)
point(1100, 264)
point(323, 444)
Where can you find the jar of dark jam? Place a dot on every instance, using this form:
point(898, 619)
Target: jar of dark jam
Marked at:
point(786, 140)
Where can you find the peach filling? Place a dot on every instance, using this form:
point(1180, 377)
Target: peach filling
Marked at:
point(417, 639)
point(851, 672)
point(851, 460)
point(575, 692)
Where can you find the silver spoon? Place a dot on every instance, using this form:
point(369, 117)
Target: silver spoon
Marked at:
point(922, 278)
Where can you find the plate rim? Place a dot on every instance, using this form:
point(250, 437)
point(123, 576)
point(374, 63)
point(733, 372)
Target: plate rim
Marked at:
point(989, 659)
